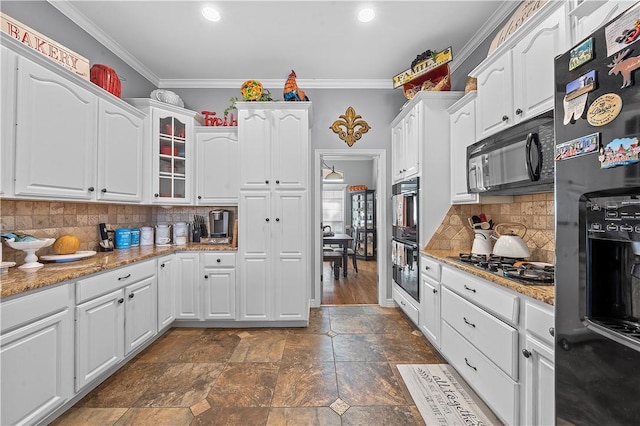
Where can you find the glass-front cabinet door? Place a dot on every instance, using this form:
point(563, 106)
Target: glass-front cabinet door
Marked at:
point(363, 222)
point(173, 145)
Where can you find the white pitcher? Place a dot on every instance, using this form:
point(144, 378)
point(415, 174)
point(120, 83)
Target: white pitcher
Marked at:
point(482, 242)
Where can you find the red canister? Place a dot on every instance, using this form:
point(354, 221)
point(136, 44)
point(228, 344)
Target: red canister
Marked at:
point(106, 77)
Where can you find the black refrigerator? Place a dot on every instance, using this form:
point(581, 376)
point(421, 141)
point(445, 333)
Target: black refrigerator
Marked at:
point(597, 194)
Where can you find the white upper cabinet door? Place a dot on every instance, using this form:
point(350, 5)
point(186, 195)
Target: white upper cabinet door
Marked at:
point(413, 138)
point(494, 104)
point(397, 147)
point(290, 147)
point(254, 132)
point(463, 133)
point(533, 57)
point(120, 139)
point(56, 135)
point(586, 24)
point(218, 166)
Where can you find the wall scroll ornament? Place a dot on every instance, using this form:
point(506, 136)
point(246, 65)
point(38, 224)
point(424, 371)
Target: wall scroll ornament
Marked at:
point(354, 126)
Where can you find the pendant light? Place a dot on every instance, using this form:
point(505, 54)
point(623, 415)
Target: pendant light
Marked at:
point(333, 175)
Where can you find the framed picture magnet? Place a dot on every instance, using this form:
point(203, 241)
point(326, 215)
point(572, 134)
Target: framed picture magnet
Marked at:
point(620, 152)
point(574, 108)
point(581, 85)
point(577, 147)
point(581, 54)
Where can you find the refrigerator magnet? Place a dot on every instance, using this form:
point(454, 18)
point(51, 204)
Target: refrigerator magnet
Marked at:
point(581, 85)
point(623, 31)
point(573, 108)
point(604, 109)
point(624, 67)
point(620, 152)
point(577, 147)
point(581, 54)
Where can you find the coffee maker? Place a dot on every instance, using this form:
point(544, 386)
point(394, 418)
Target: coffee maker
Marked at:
point(219, 223)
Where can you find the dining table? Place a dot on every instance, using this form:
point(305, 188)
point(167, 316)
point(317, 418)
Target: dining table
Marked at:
point(343, 240)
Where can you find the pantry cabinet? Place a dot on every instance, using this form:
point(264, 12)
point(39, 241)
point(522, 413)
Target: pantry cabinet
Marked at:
point(36, 354)
point(56, 128)
point(218, 166)
point(116, 313)
point(274, 242)
point(515, 83)
point(169, 150)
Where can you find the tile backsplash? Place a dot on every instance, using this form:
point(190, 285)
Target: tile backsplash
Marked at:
point(51, 219)
point(536, 212)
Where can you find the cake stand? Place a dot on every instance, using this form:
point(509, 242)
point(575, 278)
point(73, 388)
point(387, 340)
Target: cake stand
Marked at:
point(30, 248)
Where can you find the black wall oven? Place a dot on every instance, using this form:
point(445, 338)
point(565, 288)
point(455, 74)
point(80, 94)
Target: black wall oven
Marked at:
point(404, 246)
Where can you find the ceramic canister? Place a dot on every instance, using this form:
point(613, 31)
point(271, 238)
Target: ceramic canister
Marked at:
point(135, 237)
point(163, 235)
point(123, 238)
point(146, 236)
point(180, 232)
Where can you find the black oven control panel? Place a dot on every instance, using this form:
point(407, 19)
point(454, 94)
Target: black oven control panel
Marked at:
point(614, 218)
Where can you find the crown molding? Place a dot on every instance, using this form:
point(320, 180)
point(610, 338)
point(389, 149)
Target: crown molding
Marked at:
point(505, 10)
point(103, 38)
point(234, 83)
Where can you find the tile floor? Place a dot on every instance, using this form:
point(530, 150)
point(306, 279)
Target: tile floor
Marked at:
point(341, 370)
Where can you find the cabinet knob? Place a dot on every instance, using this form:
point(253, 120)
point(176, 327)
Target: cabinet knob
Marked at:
point(426, 268)
point(267, 219)
point(267, 182)
point(162, 265)
point(156, 195)
point(103, 190)
point(518, 111)
point(218, 260)
point(277, 219)
point(121, 300)
point(131, 295)
point(435, 291)
point(91, 189)
point(206, 276)
point(199, 197)
point(277, 182)
point(552, 331)
point(526, 353)
point(124, 278)
point(505, 118)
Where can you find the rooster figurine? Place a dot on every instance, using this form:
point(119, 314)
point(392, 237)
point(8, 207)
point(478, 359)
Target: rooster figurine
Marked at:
point(291, 90)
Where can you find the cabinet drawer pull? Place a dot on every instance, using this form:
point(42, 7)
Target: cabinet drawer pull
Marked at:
point(552, 331)
point(131, 295)
point(468, 323)
point(526, 353)
point(124, 278)
point(473, 290)
point(467, 362)
point(402, 303)
point(121, 300)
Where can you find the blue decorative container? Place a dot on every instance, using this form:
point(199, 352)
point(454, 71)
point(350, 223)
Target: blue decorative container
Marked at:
point(135, 237)
point(123, 238)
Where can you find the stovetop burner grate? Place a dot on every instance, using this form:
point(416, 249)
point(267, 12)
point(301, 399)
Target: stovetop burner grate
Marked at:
point(514, 269)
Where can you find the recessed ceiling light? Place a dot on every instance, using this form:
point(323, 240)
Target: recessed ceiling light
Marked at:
point(211, 14)
point(366, 15)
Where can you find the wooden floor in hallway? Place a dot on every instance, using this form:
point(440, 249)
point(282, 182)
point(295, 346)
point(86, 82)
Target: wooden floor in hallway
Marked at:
point(356, 288)
point(341, 370)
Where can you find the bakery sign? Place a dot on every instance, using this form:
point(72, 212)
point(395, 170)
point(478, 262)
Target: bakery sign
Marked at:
point(44, 45)
point(522, 14)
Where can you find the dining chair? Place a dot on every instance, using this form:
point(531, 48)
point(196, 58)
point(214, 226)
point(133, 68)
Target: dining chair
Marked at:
point(351, 251)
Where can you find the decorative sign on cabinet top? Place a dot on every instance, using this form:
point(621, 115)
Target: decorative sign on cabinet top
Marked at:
point(527, 9)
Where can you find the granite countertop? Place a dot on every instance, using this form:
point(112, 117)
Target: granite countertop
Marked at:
point(16, 281)
point(543, 293)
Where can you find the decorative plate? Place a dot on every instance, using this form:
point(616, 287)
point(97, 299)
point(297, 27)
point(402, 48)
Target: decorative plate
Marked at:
point(60, 258)
point(251, 90)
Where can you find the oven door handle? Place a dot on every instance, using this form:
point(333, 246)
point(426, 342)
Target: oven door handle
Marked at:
point(534, 172)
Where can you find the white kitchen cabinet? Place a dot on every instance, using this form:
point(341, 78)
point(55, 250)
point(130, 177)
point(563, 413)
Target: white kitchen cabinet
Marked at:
point(56, 135)
point(120, 143)
point(168, 152)
point(219, 285)
point(187, 292)
point(515, 83)
point(218, 166)
point(407, 303)
point(8, 66)
point(36, 354)
point(116, 313)
point(462, 121)
point(405, 144)
point(274, 145)
point(166, 291)
point(588, 16)
point(430, 300)
point(273, 211)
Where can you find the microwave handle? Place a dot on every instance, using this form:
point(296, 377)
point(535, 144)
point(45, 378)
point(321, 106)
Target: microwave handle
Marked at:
point(534, 173)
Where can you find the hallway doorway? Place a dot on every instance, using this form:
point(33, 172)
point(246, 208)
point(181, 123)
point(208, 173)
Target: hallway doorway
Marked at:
point(362, 287)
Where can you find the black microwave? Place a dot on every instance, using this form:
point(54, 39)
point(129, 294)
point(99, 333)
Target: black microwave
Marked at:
point(518, 160)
